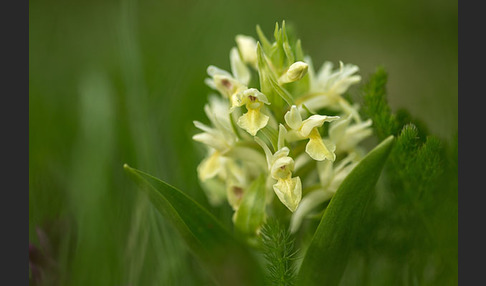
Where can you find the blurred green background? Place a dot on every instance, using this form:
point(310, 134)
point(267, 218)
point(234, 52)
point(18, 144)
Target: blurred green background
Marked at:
point(114, 82)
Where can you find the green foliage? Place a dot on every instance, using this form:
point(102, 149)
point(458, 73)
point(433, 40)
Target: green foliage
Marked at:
point(227, 258)
point(329, 250)
point(75, 176)
point(418, 194)
point(279, 252)
point(251, 213)
point(376, 106)
point(268, 81)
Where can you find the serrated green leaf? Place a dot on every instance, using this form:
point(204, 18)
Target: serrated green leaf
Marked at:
point(251, 212)
point(227, 259)
point(328, 252)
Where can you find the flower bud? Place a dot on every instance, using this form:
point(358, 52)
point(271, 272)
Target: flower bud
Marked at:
point(294, 73)
point(247, 46)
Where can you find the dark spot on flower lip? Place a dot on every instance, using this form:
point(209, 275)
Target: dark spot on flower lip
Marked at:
point(252, 98)
point(238, 191)
point(226, 83)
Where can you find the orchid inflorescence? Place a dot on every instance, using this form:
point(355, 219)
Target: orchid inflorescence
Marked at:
point(274, 115)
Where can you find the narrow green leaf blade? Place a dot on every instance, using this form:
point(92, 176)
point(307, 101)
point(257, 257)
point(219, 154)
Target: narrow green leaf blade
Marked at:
point(226, 258)
point(328, 252)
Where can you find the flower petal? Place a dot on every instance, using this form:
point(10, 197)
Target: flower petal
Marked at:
point(238, 68)
point(308, 203)
point(252, 121)
point(289, 192)
point(337, 129)
point(315, 121)
point(283, 152)
point(247, 46)
point(210, 166)
point(317, 149)
point(214, 70)
point(227, 85)
point(255, 93)
point(293, 118)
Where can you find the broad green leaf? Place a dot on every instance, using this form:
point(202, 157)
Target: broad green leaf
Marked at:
point(226, 258)
point(251, 212)
point(328, 252)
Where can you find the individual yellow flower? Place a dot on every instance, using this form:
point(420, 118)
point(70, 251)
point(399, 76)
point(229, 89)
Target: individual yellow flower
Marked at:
point(230, 85)
point(307, 129)
point(253, 120)
point(224, 82)
point(236, 182)
point(280, 166)
point(210, 166)
point(327, 86)
point(347, 136)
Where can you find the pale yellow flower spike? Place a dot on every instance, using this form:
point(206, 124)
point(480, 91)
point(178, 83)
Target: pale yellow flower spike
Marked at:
point(254, 119)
